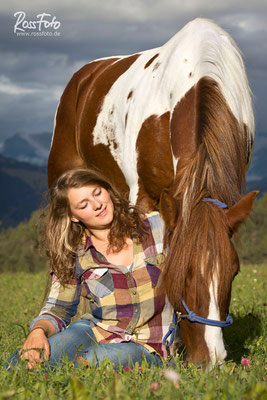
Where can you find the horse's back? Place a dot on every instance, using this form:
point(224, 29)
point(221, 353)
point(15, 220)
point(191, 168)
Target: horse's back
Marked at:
point(117, 113)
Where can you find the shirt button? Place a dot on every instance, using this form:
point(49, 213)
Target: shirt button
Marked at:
point(136, 310)
point(134, 291)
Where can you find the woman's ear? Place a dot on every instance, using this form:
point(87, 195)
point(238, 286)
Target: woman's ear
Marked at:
point(74, 219)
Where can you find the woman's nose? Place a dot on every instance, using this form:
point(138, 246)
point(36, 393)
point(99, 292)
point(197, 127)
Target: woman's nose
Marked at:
point(96, 204)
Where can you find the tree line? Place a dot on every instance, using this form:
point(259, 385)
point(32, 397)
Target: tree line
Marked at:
point(20, 249)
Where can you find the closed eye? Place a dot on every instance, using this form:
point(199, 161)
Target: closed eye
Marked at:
point(98, 193)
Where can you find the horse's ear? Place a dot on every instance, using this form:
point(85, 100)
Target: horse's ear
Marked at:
point(238, 213)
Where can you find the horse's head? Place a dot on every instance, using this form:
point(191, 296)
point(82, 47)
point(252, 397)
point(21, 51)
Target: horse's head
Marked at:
point(200, 267)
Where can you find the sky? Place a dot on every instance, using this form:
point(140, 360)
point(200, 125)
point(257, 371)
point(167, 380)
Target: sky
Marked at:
point(34, 70)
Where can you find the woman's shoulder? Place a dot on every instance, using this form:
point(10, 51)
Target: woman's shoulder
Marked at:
point(155, 220)
point(157, 227)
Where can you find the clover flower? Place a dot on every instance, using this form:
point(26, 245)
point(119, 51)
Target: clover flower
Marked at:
point(154, 387)
point(245, 361)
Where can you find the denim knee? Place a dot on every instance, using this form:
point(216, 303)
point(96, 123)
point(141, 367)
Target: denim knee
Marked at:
point(66, 344)
point(120, 354)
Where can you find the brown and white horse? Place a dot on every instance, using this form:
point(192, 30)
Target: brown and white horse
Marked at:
point(170, 126)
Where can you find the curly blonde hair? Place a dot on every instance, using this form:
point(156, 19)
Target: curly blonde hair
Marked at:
point(62, 237)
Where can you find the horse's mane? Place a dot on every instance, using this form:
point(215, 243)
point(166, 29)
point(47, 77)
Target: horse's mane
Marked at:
point(200, 241)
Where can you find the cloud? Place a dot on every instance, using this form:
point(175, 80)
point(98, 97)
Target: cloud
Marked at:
point(6, 87)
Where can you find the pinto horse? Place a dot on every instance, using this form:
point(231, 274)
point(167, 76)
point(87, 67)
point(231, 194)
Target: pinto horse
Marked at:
point(171, 126)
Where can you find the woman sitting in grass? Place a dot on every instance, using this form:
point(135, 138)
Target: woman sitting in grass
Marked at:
point(104, 250)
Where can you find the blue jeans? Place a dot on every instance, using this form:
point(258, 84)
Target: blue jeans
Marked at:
point(78, 340)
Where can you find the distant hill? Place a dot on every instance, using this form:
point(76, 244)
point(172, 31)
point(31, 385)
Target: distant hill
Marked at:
point(257, 173)
point(258, 166)
point(22, 186)
point(31, 148)
point(23, 183)
point(34, 149)
point(259, 184)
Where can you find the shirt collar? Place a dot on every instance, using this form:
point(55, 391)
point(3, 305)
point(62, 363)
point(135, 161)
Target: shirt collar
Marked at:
point(88, 243)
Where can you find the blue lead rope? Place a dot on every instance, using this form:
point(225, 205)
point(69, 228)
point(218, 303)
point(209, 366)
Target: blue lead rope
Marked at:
point(171, 332)
point(191, 316)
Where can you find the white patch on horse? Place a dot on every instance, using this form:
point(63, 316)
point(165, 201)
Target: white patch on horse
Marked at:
point(214, 334)
point(209, 51)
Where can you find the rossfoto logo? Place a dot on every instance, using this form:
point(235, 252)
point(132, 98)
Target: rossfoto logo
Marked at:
point(43, 25)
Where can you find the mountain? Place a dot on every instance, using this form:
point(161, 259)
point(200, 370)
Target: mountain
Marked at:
point(257, 174)
point(34, 149)
point(31, 148)
point(259, 184)
point(22, 187)
point(257, 169)
point(23, 183)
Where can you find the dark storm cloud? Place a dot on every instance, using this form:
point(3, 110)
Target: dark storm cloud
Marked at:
point(34, 71)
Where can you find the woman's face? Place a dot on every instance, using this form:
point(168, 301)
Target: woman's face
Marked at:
point(92, 206)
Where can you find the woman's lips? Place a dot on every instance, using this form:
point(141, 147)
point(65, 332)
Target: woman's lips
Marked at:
point(102, 213)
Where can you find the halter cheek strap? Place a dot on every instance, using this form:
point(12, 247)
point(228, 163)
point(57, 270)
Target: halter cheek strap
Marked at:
point(191, 316)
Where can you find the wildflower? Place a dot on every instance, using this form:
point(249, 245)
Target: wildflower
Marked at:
point(172, 376)
point(245, 361)
point(154, 387)
point(45, 376)
point(127, 368)
point(140, 369)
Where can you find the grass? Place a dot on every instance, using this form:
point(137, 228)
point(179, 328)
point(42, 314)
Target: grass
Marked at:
point(21, 293)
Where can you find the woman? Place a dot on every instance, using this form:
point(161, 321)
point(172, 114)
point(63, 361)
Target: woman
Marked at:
point(102, 249)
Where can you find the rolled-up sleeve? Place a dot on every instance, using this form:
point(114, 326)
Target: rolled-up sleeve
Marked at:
point(61, 304)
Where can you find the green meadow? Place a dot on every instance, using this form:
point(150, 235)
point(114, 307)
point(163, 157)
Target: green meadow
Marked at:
point(243, 376)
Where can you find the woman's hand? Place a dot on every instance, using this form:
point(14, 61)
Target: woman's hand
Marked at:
point(35, 348)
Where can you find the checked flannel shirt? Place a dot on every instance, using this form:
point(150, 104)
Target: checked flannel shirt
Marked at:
point(124, 304)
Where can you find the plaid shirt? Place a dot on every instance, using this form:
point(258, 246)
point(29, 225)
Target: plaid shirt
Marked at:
point(124, 304)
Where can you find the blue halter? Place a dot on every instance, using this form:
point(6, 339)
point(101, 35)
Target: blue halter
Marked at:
point(215, 201)
point(191, 316)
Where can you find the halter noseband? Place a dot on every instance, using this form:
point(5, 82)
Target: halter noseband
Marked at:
point(191, 316)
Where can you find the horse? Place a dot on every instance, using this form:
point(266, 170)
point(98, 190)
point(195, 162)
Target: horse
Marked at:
point(171, 127)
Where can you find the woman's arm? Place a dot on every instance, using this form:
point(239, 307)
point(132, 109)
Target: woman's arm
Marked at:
point(36, 347)
point(61, 304)
point(46, 326)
